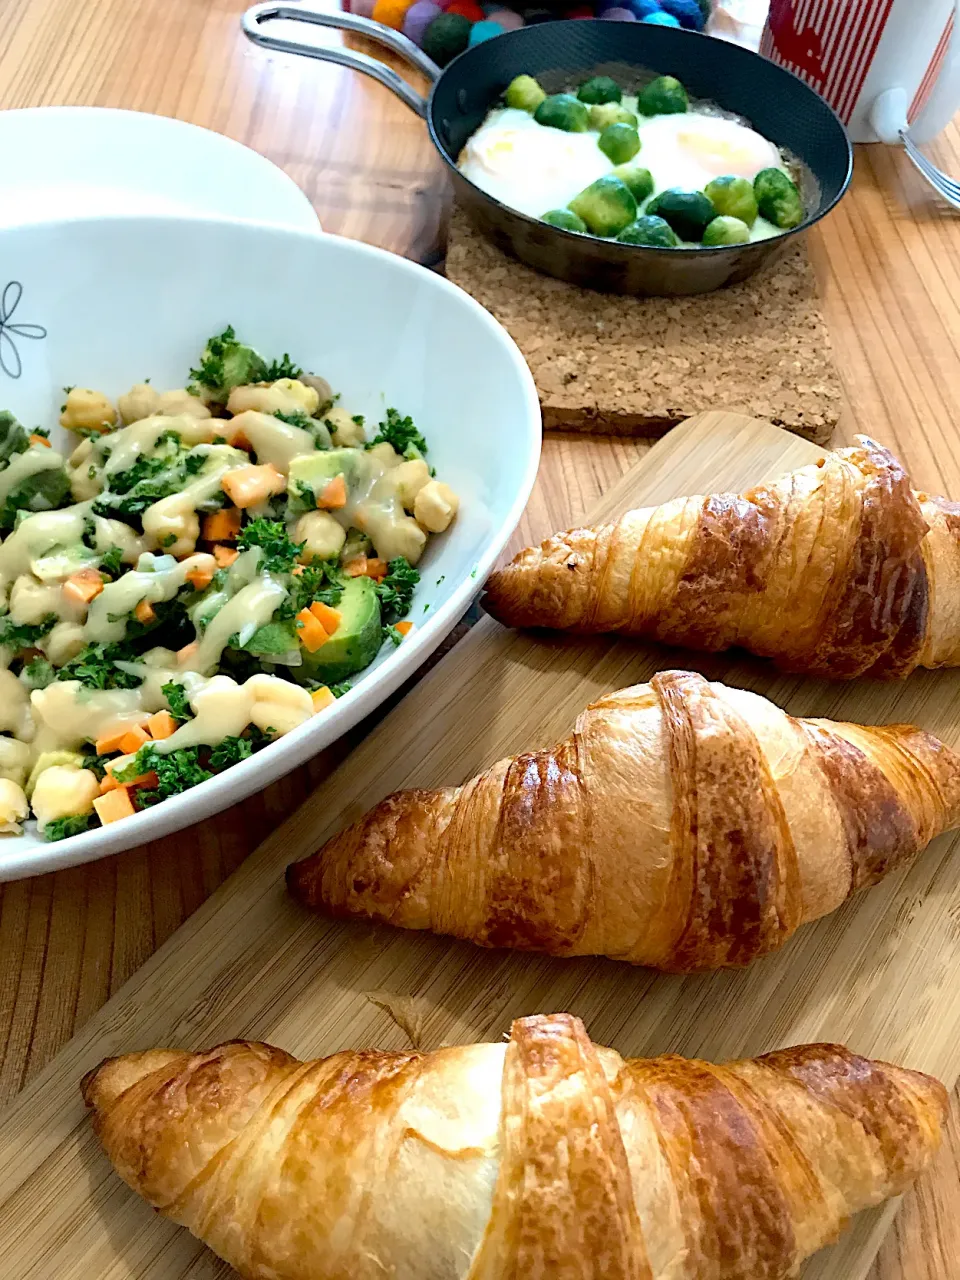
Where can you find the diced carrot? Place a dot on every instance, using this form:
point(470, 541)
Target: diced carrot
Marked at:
point(240, 441)
point(321, 698)
point(108, 783)
point(225, 556)
point(114, 805)
point(376, 569)
point(221, 526)
point(356, 568)
point(83, 586)
point(405, 627)
point(333, 495)
point(199, 576)
point(328, 618)
point(312, 633)
point(35, 439)
point(297, 570)
point(111, 737)
point(250, 485)
point(133, 740)
point(187, 653)
point(148, 779)
point(145, 612)
point(161, 725)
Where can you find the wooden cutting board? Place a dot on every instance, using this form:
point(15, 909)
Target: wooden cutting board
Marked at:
point(882, 974)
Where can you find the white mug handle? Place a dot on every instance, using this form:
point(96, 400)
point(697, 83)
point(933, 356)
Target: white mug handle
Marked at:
point(888, 115)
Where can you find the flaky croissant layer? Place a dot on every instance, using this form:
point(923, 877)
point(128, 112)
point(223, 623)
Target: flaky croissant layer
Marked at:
point(544, 1157)
point(683, 825)
point(837, 569)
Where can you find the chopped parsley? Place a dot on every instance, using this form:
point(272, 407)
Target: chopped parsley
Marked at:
point(299, 418)
point(24, 635)
point(338, 690)
point(110, 562)
point(95, 666)
point(396, 591)
point(176, 771)
point(284, 368)
point(321, 580)
point(279, 552)
point(96, 764)
point(38, 673)
point(177, 701)
point(392, 634)
point(402, 434)
point(61, 828)
point(232, 750)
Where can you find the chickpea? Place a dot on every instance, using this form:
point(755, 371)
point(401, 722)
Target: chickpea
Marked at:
point(409, 478)
point(64, 642)
point(399, 537)
point(63, 791)
point(14, 760)
point(16, 716)
point(13, 807)
point(385, 454)
point(140, 402)
point(88, 411)
point(114, 533)
point(170, 518)
point(86, 478)
point(322, 534)
point(435, 506)
point(278, 704)
point(305, 395)
point(285, 396)
point(346, 433)
point(32, 601)
point(180, 403)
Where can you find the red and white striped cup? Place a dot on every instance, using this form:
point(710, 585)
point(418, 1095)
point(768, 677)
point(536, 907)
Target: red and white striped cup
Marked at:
point(881, 64)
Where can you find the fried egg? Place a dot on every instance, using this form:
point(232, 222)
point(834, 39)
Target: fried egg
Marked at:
point(534, 168)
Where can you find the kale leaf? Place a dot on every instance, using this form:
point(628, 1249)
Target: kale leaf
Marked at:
point(61, 828)
point(177, 701)
point(95, 666)
point(24, 635)
point(279, 552)
point(396, 591)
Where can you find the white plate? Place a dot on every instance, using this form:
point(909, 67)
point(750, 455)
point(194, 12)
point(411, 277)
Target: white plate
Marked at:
point(107, 302)
point(62, 162)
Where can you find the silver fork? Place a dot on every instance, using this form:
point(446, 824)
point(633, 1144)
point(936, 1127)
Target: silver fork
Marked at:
point(889, 119)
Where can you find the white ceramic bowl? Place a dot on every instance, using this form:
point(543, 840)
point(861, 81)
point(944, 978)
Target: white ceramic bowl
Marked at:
point(128, 298)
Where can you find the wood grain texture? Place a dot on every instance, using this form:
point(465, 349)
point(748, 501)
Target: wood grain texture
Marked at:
point(889, 263)
point(880, 974)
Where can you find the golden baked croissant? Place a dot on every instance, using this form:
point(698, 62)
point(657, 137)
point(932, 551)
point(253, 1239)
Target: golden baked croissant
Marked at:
point(547, 1157)
point(837, 569)
point(683, 825)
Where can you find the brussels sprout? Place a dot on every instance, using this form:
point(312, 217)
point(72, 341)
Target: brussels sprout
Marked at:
point(565, 219)
point(778, 199)
point(638, 181)
point(524, 93)
point(726, 230)
point(605, 114)
point(599, 89)
point(662, 97)
point(619, 143)
point(688, 212)
point(606, 206)
point(733, 197)
point(563, 111)
point(651, 231)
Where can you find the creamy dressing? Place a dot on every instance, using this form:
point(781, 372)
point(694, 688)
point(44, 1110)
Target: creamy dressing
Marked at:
point(140, 438)
point(155, 579)
point(272, 440)
point(252, 607)
point(220, 459)
point(24, 465)
point(38, 534)
point(68, 714)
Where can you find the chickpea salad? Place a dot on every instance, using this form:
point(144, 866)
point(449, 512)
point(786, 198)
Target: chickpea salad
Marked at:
point(650, 169)
point(203, 573)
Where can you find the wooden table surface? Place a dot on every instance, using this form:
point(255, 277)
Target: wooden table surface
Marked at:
point(889, 261)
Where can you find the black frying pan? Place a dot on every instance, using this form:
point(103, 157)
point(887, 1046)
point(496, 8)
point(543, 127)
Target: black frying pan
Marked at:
point(560, 54)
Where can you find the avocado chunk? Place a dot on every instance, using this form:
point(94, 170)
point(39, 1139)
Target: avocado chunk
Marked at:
point(310, 473)
point(354, 644)
point(273, 638)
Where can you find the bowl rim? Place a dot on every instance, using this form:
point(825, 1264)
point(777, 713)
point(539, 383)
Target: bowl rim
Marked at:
point(238, 782)
point(685, 251)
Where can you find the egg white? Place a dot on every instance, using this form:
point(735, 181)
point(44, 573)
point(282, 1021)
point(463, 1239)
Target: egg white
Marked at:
point(535, 168)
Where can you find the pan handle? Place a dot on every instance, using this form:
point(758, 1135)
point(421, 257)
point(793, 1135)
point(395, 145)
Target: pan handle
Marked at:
point(255, 18)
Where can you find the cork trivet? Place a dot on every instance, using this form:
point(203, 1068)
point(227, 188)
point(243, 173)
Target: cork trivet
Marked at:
point(638, 366)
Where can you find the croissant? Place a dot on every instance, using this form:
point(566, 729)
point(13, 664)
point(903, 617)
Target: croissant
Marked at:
point(544, 1157)
point(682, 825)
point(838, 569)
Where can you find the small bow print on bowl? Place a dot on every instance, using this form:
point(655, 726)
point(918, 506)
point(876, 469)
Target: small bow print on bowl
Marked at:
point(10, 361)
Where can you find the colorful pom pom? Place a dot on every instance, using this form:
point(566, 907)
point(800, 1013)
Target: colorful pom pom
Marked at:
point(419, 16)
point(661, 20)
point(391, 13)
point(363, 8)
point(687, 13)
point(618, 15)
point(642, 8)
point(507, 19)
point(446, 37)
point(468, 9)
point(481, 31)
point(537, 14)
point(581, 11)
